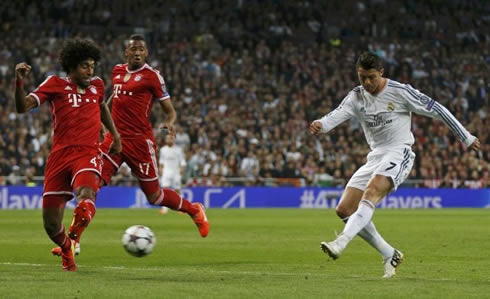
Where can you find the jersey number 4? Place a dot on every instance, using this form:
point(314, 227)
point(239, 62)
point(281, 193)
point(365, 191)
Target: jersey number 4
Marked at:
point(94, 161)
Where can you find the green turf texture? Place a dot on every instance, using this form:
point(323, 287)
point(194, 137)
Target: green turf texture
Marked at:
point(250, 253)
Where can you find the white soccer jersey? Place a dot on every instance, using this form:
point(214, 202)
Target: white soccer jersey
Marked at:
point(386, 117)
point(173, 159)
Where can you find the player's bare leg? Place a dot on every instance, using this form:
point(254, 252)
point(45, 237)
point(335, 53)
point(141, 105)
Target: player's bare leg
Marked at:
point(347, 206)
point(376, 189)
point(171, 199)
point(391, 256)
point(53, 208)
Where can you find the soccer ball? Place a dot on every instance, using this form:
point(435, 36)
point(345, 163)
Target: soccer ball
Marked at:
point(138, 240)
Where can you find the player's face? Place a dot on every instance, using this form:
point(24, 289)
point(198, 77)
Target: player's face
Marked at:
point(370, 79)
point(83, 73)
point(136, 53)
point(170, 139)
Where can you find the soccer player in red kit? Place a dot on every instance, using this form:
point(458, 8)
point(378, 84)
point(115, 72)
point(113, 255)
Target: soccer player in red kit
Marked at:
point(74, 164)
point(136, 86)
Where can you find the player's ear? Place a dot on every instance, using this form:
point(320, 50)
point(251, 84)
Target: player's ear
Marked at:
point(381, 72)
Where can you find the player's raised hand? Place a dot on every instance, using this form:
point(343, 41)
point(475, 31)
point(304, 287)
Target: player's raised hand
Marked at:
point(116, 146)
point(21, 70)
point(475, 145)
point(315, 127)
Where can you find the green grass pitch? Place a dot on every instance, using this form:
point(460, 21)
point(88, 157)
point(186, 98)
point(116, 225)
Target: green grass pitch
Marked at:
point(250, 253)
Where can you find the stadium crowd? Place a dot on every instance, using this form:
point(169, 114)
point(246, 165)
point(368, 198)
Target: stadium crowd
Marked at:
point(248, 77)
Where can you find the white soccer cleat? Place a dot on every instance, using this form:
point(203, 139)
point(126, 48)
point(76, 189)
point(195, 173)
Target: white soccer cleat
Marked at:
point(333, 249)
point(77, 248)
point(392, 263)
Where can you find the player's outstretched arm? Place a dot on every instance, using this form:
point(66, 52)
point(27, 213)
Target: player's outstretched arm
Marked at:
point(171, 116)
point(342, 113)
point(22, 103)
point(106, 118)
point(424, 105)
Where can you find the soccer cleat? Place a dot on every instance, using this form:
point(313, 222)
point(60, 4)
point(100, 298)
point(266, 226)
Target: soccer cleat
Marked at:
point(77, 248)
point(57, 250)
point(68, 260)
point(201, 220)
point(333, 249)
point(81, 218)
point(392, 263)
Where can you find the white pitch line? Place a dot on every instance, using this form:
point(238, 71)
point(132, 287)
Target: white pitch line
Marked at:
point(166, 270)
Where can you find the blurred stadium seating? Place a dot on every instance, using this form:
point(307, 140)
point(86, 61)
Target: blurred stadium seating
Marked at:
point(247, 78)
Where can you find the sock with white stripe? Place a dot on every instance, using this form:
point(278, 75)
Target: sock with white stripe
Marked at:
point(357, 222)
point(373, 238)
point(172, 200)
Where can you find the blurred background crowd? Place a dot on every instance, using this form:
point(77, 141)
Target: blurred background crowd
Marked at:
point(247, 78)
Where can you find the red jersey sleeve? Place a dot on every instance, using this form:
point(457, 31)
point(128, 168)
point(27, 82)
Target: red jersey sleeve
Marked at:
point(158, 87)
point(45, 90)
point(98, 84)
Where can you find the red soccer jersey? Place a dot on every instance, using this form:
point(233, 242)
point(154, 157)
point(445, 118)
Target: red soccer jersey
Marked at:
point(133, 95)
point(75, 111)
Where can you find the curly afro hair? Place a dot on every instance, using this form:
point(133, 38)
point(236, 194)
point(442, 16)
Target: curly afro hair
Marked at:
point(75, 51)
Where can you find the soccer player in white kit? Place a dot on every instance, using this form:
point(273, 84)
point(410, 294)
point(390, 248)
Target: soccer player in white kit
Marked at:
point(172, 160)
point(384, 108)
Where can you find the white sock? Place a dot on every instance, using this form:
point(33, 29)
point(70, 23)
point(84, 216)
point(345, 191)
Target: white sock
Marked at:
point(373, 238)
point(357, 222)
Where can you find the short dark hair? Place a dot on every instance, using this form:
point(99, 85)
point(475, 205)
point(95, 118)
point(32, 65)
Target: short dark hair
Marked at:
point(75, 51)
point(368, 60)
point(136, 37)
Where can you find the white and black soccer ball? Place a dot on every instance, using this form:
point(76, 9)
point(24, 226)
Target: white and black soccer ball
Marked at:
point(138, 240)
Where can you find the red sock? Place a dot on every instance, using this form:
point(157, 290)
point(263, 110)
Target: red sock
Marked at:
point(61, 239)
point(171, 199)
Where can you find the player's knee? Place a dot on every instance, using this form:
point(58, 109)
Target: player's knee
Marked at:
point(51, 226)
point(374, 192)
point(151, 189)
point(344, 211)
point(152, 197)
point(85, 192)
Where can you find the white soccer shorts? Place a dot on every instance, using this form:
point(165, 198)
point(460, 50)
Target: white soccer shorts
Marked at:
point(394, 163)
point(174, 182)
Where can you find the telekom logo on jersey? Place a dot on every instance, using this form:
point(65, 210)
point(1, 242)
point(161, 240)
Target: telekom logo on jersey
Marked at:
point(76, 99)
point(118, 90)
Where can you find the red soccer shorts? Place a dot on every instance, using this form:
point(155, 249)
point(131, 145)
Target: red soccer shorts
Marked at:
point(139, 152)
point(61, 175)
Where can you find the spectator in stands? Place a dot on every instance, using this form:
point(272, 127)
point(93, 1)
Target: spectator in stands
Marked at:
point(240, 75)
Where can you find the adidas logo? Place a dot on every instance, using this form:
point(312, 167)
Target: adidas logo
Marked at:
point(118, 77)
point(68, 88)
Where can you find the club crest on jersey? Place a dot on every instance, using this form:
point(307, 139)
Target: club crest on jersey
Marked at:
point(93, 90)
point(138, 77)
point(127, 77)
point(391, 107)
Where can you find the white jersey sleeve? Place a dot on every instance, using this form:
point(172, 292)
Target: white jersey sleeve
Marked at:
point(424, 105)
point(342, 113)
